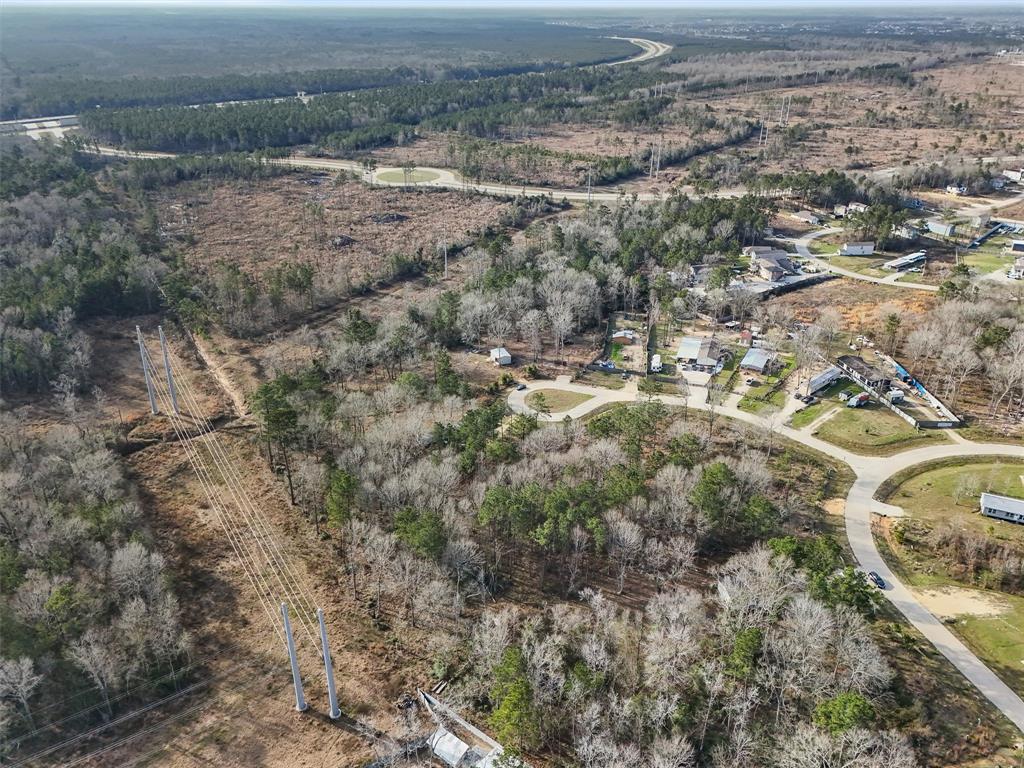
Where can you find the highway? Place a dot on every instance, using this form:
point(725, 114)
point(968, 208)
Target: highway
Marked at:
point(57, 125)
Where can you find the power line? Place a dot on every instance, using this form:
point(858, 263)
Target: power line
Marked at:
point(291, 584)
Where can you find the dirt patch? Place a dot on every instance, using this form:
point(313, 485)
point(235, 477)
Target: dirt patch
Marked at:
point(949, 602)
point(858, 303)
point(836, 507)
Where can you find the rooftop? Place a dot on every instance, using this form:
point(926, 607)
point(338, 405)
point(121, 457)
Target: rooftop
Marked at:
point(1002, 503)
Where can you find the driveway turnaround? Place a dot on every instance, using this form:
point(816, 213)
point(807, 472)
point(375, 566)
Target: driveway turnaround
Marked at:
point(870, 472)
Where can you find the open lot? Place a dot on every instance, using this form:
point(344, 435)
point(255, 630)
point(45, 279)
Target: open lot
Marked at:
point(340, 228)
point(873, 430)
point(990, 622)
point(949, 494)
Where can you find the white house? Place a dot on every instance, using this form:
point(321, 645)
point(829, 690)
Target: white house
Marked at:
point(856, 207)
point(1002, 507)
point(862, 248)
point(500, 356)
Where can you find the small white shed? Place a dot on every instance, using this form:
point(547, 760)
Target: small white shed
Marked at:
point(500, 356)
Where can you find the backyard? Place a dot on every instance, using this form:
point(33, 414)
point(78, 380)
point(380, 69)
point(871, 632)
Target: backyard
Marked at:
point(828, 401)
point(761, 397)
point(872, 430)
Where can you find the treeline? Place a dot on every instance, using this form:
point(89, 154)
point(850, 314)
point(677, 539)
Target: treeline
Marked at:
point(474, 107)
point(69, 96)
point(70, 251)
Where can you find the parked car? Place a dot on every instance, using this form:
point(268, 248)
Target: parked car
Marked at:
point(809, 399)
point(520, 387)
point(753, 383)
point(625, 376)
point(877, 580)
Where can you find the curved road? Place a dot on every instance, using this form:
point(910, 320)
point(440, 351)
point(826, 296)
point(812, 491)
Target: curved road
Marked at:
point(803, 248)
point(870, 472)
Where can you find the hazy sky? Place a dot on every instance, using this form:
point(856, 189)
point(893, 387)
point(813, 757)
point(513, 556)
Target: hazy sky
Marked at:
point(895, 5)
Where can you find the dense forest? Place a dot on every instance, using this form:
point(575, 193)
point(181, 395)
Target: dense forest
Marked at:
point(486, 108)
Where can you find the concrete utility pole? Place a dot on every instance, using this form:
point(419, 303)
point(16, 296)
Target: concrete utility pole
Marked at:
point(167, 369)
point(444, 245)
point(300, 699)
point(332, 694)
point(145, 371)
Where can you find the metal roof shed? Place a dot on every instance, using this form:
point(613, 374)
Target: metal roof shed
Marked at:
point(757, 359)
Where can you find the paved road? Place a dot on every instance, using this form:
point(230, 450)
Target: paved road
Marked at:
point(860, 504)
point(803, 248)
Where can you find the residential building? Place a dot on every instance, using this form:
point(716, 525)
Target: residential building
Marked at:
point(1002, 507)
point(769, 263)
point(862, 248)
point(856, 208)
point(698, 353)
point(906, 232)
point(839, 211)
point(809, 216)
point(904, 262)
point(500, 356)
point(823, 379)
point(760, 360)
point(625, 336)
point(941, 228)
point(864, 374)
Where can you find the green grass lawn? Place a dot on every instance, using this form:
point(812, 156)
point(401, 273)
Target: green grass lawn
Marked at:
point(873, 430)
point(415, 177)
point(930, 499)
point(601, 379)
point(776, 401)
point(985, 259)
point(557, 400)
point(821, 247)
point(864, 265)
point(616, 355)
point(829, 401)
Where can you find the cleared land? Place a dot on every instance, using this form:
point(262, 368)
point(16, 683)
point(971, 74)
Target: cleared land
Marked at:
point(872, 430)
point(338, 227)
